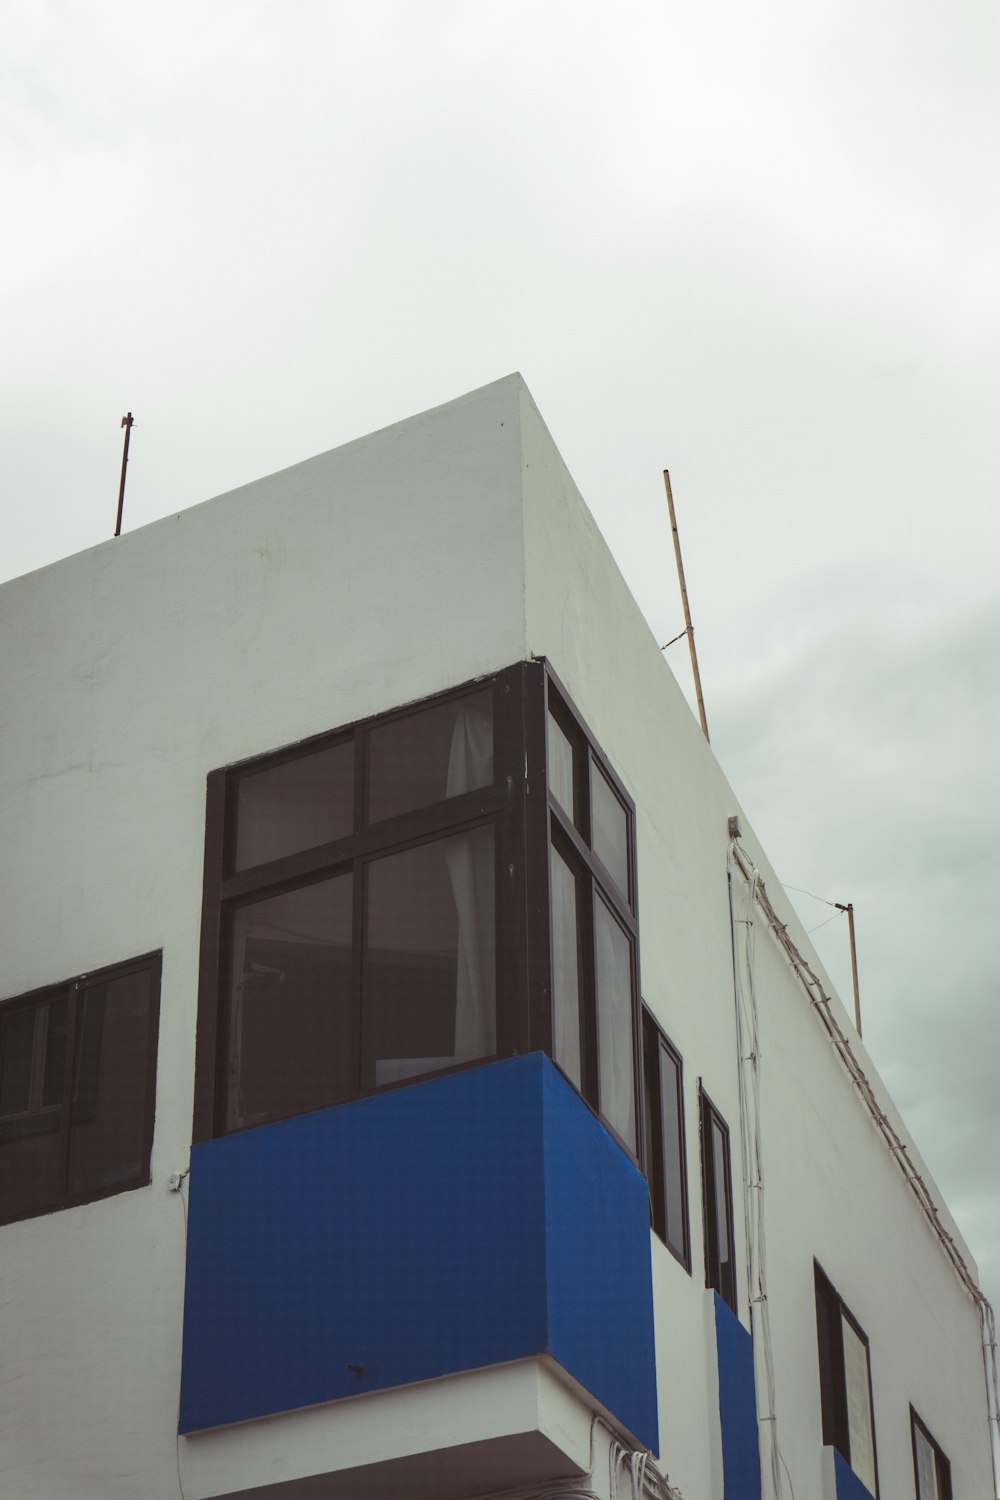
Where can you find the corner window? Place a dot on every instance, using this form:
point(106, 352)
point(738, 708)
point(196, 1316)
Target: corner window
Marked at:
point(77, 1079)
point(717, 1199)
point(664, 1140)
point(447, 883)
point(845, 1383)
point(593, 935)
point(932, 1471)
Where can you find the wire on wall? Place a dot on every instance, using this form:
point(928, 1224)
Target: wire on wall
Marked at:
point(632, 1475)
point(748, 1044)
point(822, 1006)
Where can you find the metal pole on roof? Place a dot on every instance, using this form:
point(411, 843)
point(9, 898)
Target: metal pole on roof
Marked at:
point(689, 628)
point(127, 421)
point(849, 908)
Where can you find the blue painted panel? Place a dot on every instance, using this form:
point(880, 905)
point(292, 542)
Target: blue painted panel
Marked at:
point(737, 1406)
point(410, 1236)
point(600, 1283)
point(849, 1486)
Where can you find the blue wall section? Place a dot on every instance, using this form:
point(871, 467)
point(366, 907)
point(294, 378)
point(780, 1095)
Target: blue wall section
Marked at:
point(453, 1224)
point(849, 1486)
point(599, 1273)
point(737, 1406)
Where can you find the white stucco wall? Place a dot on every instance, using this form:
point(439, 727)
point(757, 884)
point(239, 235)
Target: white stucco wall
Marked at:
point(411, 560)
point(360, 579)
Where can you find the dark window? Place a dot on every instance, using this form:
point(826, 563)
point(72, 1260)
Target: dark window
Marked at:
point(77, 1078)
point(931, 1470)
point(664, 1140)
point(425, 890)
point(717, 1190)
point(594, 937)
point(352, 908)
point(845, 1383)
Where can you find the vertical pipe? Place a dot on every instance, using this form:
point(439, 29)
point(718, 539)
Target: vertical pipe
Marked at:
point(684, 600)
point(127, 424)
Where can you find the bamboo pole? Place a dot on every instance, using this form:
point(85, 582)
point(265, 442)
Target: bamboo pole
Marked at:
point(689, 628)
point(849, 908)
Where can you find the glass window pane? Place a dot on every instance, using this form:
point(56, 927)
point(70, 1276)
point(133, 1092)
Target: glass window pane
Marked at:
point(111, 1084)
point(32, 1165)
point(673, 1163)
point(291, 1032)
point(927, 1485)
point(720, 1177)
point(53, 1030)
point(610, 829)
point(429, 986)
point(17, 1049)
point(613, 952)
point(298, 804)
point(565, 971)
point(32, 1149)
point(651, 1123)
point(859, 1407)
point(428, 756)
point(562, 781)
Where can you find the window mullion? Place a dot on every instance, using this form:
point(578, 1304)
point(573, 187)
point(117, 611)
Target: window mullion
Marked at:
point(74, 1010)
point(589, 1032)
point(358, 928)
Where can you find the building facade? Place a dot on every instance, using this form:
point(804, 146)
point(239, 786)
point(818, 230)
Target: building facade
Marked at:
point(413, 1080)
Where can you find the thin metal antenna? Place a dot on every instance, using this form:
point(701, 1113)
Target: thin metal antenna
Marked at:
point(689, 628)
point(127, 424)
point(849, 908)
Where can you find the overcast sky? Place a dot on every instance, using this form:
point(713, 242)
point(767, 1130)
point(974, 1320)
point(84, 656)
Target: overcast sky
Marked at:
point(755, 244)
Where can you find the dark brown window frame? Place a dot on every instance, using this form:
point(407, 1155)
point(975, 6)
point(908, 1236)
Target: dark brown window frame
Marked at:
point(831, 1312)
point(72, 1108)
point(941, 1461)
point(718, 1275)
point(500, 805)
point(655, 1042)
point(519, 808)
point(572, 838)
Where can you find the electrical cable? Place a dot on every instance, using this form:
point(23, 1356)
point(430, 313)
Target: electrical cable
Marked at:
point(825, 922)
point(799, 891)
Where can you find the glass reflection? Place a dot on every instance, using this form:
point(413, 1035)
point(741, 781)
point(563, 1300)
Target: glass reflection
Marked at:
point(429, 756)
point(613, 953)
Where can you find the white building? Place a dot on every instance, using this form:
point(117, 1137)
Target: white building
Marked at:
point(371, 903)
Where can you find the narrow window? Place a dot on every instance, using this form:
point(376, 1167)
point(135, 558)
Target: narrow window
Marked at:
point(716, 1177)
point(664, 1141)
point(567, 1046)
point(593, 930)
point(77, 1079)
point(932, 1471)
point(845, 1383)
point(615, 1041)
point(562, 768)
